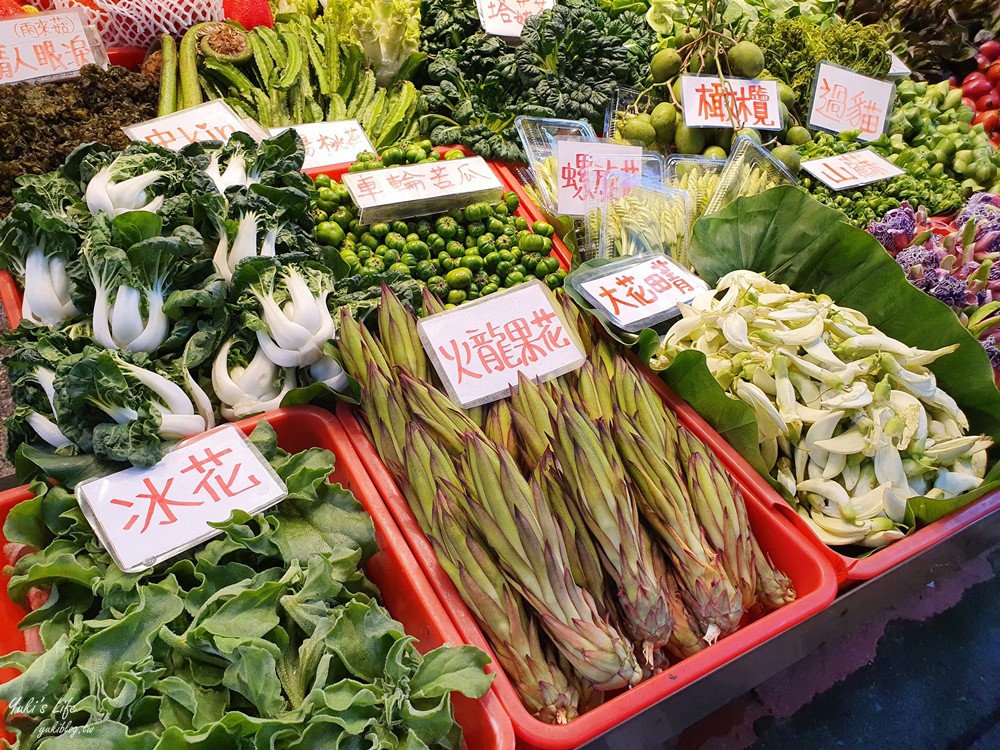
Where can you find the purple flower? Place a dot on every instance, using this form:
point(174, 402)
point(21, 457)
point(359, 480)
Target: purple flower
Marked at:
point(982, 207)
point(896, 229)
point(990, 345)
point(949, 290)
point(994, 272)
point(918, 256)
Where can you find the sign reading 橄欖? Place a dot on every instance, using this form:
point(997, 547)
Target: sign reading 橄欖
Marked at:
point(144, 516)
point(582, 170)
point(637, 293)
point(506, 18)
point(47, 46)
point(844, 100)
point(852, 170)
point(732, 103)
point(329, 143)
point(211, 121)
point(480, 348)
point(421, 189)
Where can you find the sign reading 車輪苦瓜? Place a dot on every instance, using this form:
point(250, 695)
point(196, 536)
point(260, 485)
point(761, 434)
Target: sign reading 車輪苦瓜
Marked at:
point(47, 46)
point(144, 516)
point(844, 100)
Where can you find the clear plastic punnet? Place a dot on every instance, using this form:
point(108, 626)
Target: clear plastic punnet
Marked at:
point(621, 100)
point(642, 216)
point(539, 136)
point(750, 170)
point(698, 176)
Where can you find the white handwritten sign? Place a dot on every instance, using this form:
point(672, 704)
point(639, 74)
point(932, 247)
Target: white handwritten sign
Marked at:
point(144, 516)
point(480, 348)
point(636, 295)
point(211, 121)
point(852, 170)
point(735, 102)
point(329, 143)
point(506, 17)
point(583, 167)
point(844, 100)
point(421, 189)
point(50, 46)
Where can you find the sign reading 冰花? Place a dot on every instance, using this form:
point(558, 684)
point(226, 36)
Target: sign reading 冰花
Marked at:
point(582, 168)
point(49, 45)
point(852, 170)
point(480, 348)
point(844, 100)
point(506, 18)
point(144, 516)
point(329, 143)
point(639, 295)
point(733, 103)
point(211, 121)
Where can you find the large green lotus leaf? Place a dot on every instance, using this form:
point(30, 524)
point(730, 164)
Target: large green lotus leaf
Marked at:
point(797, 241)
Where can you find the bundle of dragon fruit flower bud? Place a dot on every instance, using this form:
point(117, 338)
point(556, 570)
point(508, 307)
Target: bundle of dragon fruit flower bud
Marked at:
point(960, 269)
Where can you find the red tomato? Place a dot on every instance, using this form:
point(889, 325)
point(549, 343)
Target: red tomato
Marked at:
point(993, 73)
point(977, 88)
point(975, 75)
point(987, 102)
point(990, 121)
point(990, 49)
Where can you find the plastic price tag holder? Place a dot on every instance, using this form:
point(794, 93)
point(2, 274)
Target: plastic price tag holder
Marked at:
point(731, 103)
point(897, 68)
point(851, 170)
point(329, 143)
point(211, 121)
point(538, 137)
point(505, 18)
point(638, 292)
point(422, 189)
point(844, 100)
point(145, 516)
point(48, 46)
point(643, 217)
point(750, 170)
point(479, 349)
point(583, 166)
point(621, 101)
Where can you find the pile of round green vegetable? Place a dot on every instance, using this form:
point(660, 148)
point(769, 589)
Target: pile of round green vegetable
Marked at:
point(415, 152)
point(462, 255)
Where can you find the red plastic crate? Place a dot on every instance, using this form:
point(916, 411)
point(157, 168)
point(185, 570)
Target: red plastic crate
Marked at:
point(10, 297)
point(406, 592)
point(814, 579)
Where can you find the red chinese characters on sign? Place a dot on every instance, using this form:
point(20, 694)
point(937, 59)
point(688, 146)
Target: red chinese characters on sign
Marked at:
point(419, 182)
point(734, 102)
point(845, 100)
point(513, 11)
point(586, 176)
point(852, 169)
point(218, 480)
point(180, 135)
point(509, 345)
point(625, 292)
point(45, 45)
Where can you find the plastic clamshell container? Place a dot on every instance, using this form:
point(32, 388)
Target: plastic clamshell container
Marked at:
point(406, 592)
point(538, 136)
point(623, 98)
point(747, 164)
point(812, 575)
point(642, 216)
point(677, 166)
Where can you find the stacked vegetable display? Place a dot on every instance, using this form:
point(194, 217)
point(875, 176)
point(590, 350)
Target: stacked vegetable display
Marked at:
point(960, 269)
point(270, 631)
point(592, 536)
point(851, 423)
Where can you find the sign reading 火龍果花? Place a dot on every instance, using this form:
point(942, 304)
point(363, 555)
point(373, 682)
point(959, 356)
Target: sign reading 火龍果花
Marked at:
point(844, 100)
point(144, 516)
point(47, 46)
point(730, 103)
point(480, 348)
